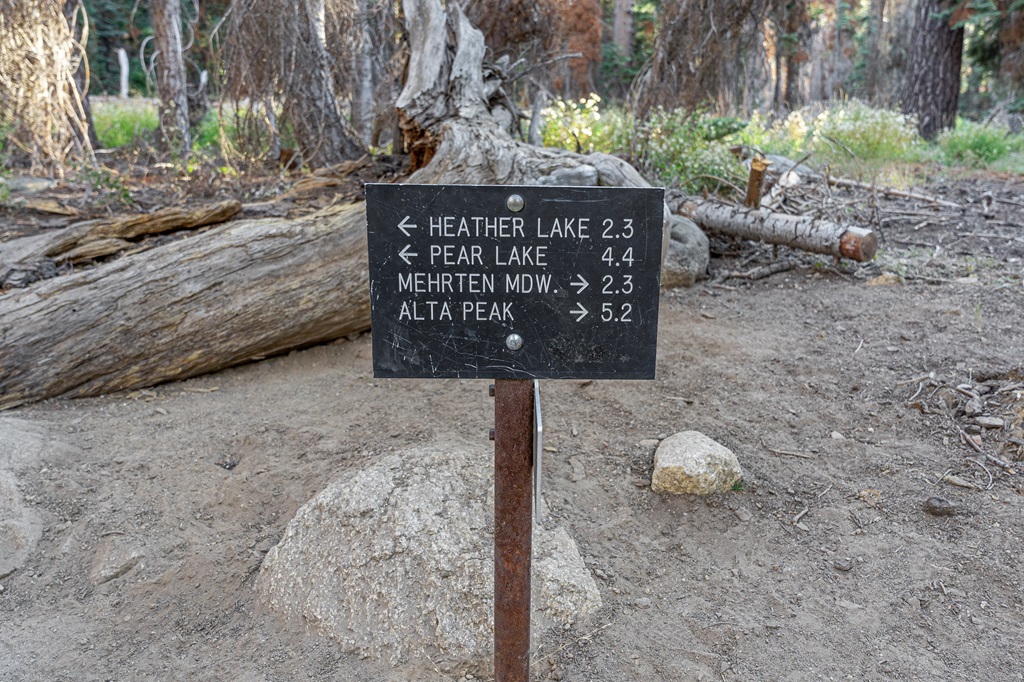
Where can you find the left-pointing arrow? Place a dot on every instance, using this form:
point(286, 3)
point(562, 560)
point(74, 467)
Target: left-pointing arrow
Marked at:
point(405, 226)
point(405, 254)
point(579, 311)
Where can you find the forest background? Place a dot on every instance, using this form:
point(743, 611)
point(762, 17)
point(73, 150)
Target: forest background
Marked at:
point(671, 86)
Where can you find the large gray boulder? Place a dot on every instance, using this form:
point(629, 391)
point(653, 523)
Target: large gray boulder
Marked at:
point(395, 561)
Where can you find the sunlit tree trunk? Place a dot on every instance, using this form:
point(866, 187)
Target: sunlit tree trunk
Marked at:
point(322, 132)
point(876, 17)
point(622, 27)
point(170, 76)
point(931, 87)
point(362, 73)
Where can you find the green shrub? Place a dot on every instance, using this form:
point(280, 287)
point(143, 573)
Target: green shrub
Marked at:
point(840, 133)
point(974, 144)
point(575, 125)
point(684, 149)
point(869, 134)
point(680, 148)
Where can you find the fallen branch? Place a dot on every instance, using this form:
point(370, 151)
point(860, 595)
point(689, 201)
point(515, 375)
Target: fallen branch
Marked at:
point(890, 191)
point(134, 226)
point(763, 271)
point(808, 234)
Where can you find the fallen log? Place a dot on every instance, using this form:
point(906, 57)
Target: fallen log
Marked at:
point(134, 226)
point(241, 291)
point(800, 232)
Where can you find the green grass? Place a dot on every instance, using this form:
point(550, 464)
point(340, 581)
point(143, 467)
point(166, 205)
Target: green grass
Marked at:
point(980, 146)
point(120, 122)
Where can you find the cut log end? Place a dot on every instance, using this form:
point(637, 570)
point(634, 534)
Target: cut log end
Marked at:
point(858, 244)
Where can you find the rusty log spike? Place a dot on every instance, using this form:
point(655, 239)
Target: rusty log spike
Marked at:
point(513, 527)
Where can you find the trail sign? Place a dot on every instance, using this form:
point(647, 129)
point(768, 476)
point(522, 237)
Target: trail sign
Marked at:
point(514, 282)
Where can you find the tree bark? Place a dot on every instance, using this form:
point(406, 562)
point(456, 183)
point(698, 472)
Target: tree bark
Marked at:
point(362, 77)
point(622, 27)
point(876, 17)
point(807, 234)
point(321, 131)
point(239, 292)
point(931, 87)
point(170, 76)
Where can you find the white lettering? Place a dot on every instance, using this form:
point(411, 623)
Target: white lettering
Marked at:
point(452, 254)
point(570, 228)
point(485, 311)
point(525, 284)
point(522, 255)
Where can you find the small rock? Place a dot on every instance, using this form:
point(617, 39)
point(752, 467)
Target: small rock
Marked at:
point(837, 436)
point(990, 422)
point(113, 560)
point(691, 463)
point(2, 588)
point(773, 625)
point(885, 279)
point(648, 443)
point(578, 471)
point(974, 407)
point(939, 506)
point(643, 603)
point(743, 514)
point(842, 565)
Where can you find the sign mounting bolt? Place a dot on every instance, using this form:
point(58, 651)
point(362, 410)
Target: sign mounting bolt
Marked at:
point(515, 203)
point(514, 341)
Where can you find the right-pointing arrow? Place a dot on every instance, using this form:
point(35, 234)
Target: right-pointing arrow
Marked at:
point(580, 311)
point(582, 284)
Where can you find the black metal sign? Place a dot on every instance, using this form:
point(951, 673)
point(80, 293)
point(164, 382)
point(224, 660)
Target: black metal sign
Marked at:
point(514, 282)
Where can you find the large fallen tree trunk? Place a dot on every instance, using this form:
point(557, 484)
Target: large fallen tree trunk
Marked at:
point(800, 232)
point(239, 292)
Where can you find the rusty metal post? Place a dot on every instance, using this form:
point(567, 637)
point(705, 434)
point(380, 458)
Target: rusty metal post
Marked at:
point(513, 527)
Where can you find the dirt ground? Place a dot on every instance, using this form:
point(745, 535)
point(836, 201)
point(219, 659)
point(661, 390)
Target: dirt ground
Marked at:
point(849, 400)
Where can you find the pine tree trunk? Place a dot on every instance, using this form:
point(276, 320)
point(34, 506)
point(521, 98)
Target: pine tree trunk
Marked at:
point(931, 87)
point(622, 27)
point(323, 134)
point(876, 16)
point(362, 72)
point(170, 76)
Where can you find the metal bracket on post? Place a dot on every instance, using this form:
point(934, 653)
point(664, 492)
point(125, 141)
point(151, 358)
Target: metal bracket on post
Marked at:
point(538, 449)
point(514, 453)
